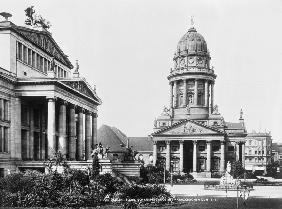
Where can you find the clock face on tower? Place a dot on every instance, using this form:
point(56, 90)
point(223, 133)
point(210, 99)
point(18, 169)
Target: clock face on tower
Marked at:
point(190, 60)
point(200, 61)
point(182, 63)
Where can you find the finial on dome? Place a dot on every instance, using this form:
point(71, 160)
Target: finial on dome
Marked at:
point(192, 21)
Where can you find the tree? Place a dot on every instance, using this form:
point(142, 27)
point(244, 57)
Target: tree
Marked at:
point(237, 170)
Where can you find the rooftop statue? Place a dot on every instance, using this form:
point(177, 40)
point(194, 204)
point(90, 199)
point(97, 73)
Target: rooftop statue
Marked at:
point(35, 20)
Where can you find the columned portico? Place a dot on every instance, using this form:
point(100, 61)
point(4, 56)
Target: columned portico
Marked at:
point(51, 127)
point(154, 153)
point(206, 93)
point(72, 133)
point(184, 92)
point(181, 160)
point(222, 156)
point(94, 130)
point(62, 146)
point(195, 156)
point(243, 155)
point(88, 136)
point(167, 155)
point(174, 93)
point(196, 93)
point(80, 141)
point(208, 156)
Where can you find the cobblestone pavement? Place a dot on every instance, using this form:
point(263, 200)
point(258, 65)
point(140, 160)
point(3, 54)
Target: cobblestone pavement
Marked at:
point(198, 190)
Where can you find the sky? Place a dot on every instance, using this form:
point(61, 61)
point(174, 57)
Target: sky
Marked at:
point(125, 48)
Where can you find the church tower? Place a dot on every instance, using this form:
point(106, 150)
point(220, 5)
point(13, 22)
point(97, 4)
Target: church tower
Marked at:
point(192, 79)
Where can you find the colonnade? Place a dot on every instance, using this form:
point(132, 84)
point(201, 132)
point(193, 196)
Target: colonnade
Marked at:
point(77, 146)
point(195, 155)
point(208, 93)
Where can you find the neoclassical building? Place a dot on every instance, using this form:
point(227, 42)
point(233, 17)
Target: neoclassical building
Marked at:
point(45, 106)
point(191, 135)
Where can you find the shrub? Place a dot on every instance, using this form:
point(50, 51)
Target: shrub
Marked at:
point(110, 183)
point(154, 174)
point(186, 178)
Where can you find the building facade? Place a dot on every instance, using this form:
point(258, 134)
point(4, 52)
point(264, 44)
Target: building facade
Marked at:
point(45, 106)
point(191, 135)
point(258, 151)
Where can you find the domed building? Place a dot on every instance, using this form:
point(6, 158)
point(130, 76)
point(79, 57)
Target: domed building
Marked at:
point(191, 135)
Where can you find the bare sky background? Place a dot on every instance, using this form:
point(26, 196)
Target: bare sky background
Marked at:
point(125, 47)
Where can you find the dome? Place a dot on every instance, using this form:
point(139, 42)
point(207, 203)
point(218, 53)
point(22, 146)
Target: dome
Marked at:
point(192, 43)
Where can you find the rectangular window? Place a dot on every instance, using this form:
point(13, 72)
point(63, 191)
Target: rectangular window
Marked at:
point(230, 148)
point(36, 115)
point(41, 63)
point(1, 109)
point(162, 148)
point(24, 116)
point(45, 65)
point(202, 147)
point(20, 51)
point(24, 54)
point(29, 57)
point(6, 139)
point(38, 61)
point(256, 152)
point(33, 59)
point(1, 139)
point(65, 74)
point(174, 148)
point(215, 148)
point(6, 110)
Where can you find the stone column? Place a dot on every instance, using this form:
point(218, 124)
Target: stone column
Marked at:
point(196, 92)
point(31, 134)
point(222, 156)
point(62, 146)
point(208, 156)
point(206, 93)
point(155, 153)
point(51, 128)
point(94, 129)
point(80, 144)
point(2, 108)
point(195, 156)
point(181, 161)
point(243, 155)
point(175, 94)
point(88, 136)
point(171, 94)
point(72, 132)
point(184, 92)
point(167, 155)
point(43, 135)
point(212, 97)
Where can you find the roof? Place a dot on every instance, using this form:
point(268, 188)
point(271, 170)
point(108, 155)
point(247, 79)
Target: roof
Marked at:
point(108, 137)
point(234, 125)
point(218, 131)
point(41, 39)
point(141, 143)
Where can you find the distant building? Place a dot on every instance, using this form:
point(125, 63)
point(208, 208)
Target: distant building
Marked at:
point(191, 135)
point(45, 106)
point(277, 152)
point(258, 151)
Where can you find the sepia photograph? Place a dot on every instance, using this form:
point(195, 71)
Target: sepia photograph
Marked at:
point(131, 104)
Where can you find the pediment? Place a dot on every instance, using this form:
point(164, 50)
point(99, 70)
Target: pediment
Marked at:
point(44, 41)
point(82, 87)
point(188, 127)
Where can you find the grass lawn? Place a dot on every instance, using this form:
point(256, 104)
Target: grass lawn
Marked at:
point(219, 203)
